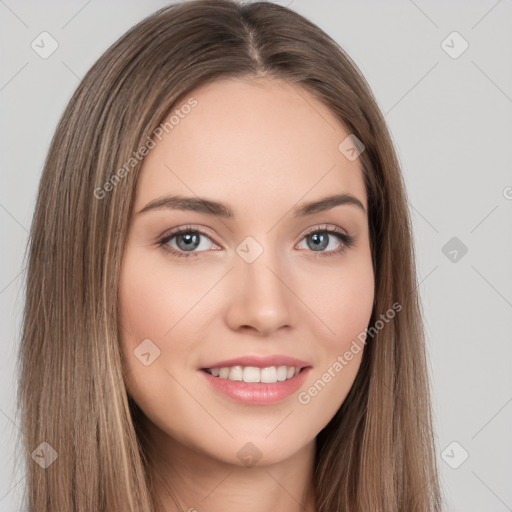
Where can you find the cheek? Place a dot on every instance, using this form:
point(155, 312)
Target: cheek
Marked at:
point(351, 305)
point(343, 300)
point(341, 297)
point(149, 306)
point(152, 299)
point(154, 305)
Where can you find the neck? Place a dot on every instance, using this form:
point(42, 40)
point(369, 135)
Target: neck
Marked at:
point(187, 480)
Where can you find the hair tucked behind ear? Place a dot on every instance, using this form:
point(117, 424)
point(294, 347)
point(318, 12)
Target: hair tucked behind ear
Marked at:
point(377, 453)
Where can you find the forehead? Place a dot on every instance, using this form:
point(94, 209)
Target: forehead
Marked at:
point(263, 141)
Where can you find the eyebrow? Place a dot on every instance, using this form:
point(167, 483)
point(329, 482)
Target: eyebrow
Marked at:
point(217, 209)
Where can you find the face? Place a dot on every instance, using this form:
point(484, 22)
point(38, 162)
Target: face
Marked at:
point(264, 290)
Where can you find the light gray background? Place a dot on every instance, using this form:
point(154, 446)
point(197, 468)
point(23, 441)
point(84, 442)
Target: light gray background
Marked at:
point(451, 120)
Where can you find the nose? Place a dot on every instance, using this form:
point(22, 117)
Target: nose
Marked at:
point(260, 296)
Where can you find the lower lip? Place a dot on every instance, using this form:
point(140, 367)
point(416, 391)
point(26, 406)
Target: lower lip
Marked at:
point(257, 393)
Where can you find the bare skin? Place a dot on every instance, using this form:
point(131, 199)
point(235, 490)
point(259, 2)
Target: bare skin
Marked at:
point(262, 147)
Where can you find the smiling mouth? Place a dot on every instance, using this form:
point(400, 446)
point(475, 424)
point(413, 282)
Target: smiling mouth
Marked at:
point(253, 374)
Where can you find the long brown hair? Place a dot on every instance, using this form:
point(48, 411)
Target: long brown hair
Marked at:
point(378, 452)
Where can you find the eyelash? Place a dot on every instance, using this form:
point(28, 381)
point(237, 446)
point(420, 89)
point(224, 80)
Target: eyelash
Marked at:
point(348, 241)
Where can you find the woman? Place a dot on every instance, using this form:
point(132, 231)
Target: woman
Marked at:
point(221, 304)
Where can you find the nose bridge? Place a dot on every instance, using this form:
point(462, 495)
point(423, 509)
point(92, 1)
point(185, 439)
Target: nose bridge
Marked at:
point(260, 296)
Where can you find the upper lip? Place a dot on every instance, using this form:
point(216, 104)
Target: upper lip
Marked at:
point(260, 362)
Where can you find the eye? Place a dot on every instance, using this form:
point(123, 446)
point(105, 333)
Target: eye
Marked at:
point(318, 240)
point(185, 242)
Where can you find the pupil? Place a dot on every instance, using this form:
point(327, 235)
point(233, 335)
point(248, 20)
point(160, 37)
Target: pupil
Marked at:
point(316, 238)
point(191, 241)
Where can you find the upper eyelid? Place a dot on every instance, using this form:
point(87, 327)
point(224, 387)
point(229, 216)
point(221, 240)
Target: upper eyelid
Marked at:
point(185, 229)
point(326, 227)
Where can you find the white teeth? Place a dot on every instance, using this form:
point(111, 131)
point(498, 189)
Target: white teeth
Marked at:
point(267, 375)
point(235, 373)
point(281, 373)
point(251, 374)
